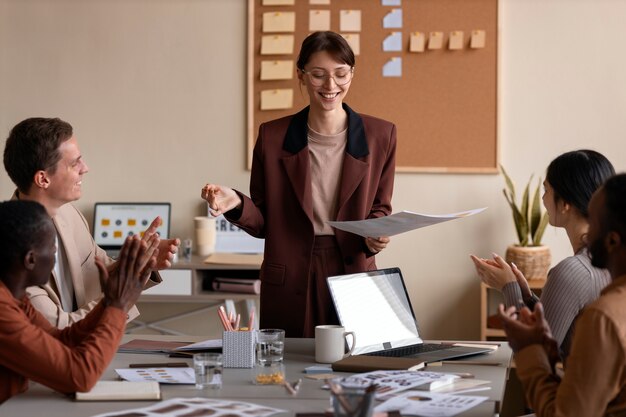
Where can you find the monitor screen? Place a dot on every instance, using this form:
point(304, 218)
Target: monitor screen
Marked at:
point(113, 222)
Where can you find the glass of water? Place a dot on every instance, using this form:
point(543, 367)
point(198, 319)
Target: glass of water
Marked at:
point(270, 346)
point(208, 369)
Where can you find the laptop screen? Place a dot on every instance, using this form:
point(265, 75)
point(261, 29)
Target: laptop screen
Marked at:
point(112, 222)
point(375, 306)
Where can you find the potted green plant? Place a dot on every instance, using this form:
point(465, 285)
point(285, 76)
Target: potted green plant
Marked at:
point(529, 255)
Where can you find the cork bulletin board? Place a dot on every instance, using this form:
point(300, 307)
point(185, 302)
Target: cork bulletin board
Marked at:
point(442, 92)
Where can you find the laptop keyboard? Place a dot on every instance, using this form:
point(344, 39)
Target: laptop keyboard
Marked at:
point(411, 350)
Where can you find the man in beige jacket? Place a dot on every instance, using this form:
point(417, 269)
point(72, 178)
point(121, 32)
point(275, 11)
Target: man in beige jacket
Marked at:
point(42, 158)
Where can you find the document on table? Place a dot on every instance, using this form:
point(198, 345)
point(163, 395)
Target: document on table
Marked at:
point(428, 404)
point(397, 223)
point(160, 375)
point(176, 407)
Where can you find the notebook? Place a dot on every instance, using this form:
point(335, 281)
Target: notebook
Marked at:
point(113, 222)
point(376, 306)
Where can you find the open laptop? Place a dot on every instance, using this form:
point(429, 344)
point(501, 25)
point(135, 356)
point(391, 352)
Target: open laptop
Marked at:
point(376, 306)
point(113, 222)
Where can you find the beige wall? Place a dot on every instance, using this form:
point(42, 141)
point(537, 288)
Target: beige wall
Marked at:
point(155, 90)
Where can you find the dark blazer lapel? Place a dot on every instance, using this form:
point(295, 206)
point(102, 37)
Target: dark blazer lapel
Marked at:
point(297, 162)
point(355, 162)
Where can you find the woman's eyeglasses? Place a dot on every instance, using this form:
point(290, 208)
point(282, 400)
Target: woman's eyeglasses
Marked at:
point(319, 77)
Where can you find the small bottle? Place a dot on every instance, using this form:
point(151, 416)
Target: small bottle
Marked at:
point(187, 248)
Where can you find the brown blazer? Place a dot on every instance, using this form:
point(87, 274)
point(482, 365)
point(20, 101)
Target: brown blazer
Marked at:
point(280, 207)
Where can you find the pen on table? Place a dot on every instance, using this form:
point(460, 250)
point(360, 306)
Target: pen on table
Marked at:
point(159, 365)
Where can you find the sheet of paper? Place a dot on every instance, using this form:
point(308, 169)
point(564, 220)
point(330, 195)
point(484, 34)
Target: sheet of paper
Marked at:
point(429, 404)
point(417, 42)
point(456, 40)
point(279, 2)
point(435, 40)
point(389, 383)
point(319, 20)
point(478, 39)
point(150, 346)
point(399, 223)
point(278, 99)
point(277, 45)
point(279, 22)
point(391, 2)
point(393, 67)
point(199, 346)
point(393, 42)
point(277, 70)
point(121, 390)
point(350, 20)
point(160, 375)
point(177, 407)
point(354, 40)
point(462, 384)
point(393, 19)
point(319, 1)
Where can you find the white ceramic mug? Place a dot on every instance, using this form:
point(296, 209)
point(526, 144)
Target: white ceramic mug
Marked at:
point(330, 342)
point(205, 235)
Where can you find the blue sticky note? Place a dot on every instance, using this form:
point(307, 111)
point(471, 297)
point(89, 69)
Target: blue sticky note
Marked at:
point(393, 67)
point(392, 2)
point(393, 42)
point(393, 19)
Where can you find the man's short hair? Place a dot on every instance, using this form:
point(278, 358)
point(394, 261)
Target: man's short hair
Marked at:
point(615, 200)
point(22, 224)
point(33, 145)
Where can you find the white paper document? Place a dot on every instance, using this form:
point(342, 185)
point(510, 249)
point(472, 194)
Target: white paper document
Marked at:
point(397, 223)
point(199, 346)
point(160, 375)
point(177, 407)
point(390, 383)
point(428, 404)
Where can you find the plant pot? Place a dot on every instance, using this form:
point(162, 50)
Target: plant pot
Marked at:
point(533, 261)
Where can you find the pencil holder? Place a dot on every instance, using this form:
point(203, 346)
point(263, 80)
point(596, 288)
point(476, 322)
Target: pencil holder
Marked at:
point(238, 349)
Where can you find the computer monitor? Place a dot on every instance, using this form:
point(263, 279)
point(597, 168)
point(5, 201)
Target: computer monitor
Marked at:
point(113, 222)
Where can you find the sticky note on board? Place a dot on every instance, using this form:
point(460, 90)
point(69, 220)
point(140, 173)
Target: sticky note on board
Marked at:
point(391, 2)
point(354, 40)
point(319, 20)
point(417, 42)
point(393, 42)
point(132, 222)
point(277, 45)
point(350, 20)
point(393, 67)
point(277, 70)
point(105, 222)
point(278, 2)
point(456, 40)
point(393, 19)
point(117, 234)
point(319, 1)
point(478, 39)
point(435, 40)
point(278, 99)
point(279, 22)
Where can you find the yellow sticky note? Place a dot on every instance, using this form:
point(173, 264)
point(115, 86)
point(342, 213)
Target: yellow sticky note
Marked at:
point(132, 222)
point(319, 20)
point(279, 22)
point(277, 45)
point(435, 40)
point(278, 99)
point(478, 39)
point(276, 70)
point(105, 222)
point(319, 1)
point(354, 40)
point(456, 40)
point(278, 2)
point(350, 20)
point(117, 234)
point(417, 42)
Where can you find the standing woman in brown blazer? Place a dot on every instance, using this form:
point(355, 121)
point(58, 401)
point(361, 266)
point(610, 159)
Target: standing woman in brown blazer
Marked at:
point(324, 163)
